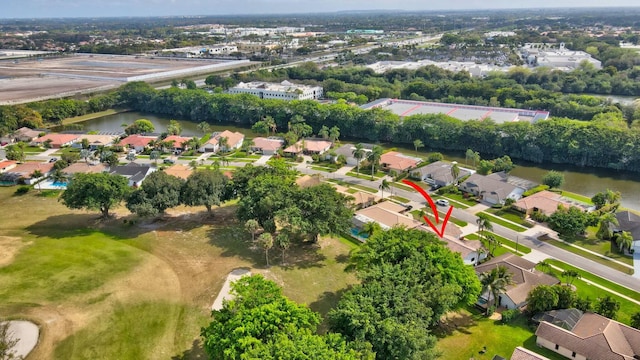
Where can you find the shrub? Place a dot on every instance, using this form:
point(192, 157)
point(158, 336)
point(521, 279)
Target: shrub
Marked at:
point(299, 159)
point(22, 190)
point(536, 189)
point(491, 310)
point(509, 315)
point(315, 158)
point(539, 217)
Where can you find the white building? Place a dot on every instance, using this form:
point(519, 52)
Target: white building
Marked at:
point(558, 58)
point(283, 91)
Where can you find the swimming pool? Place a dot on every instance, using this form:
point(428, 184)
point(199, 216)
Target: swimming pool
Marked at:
point(59, 184)
point(356, 233)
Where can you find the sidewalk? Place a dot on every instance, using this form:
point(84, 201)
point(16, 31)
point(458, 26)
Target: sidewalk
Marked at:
point(477, 208)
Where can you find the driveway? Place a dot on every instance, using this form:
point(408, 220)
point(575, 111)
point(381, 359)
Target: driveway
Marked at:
point(636, 259)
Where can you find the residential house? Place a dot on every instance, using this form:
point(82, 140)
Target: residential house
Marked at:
point(134, 172)
point(524, 276)
point(387, 214)
point(24, 171)
point(545, 202)
point(306, 181)
point(95, 141)
point(439, 173)
point(179, 171)
point(471, 251)
point(83, 167)
point(360, 199)
point(267, 146)
point(178, 143)
point(592, 336)
point(346, 150)
point(628, 221)
point(234, 141)
point(56, 140)
point(521, 353)
point(137, 142)
point(309, 147)
point(398, 162)
point(6, 165)
point(492, 189)
point(26, 135)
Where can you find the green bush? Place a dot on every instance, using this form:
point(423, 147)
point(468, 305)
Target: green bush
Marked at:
point(509, 315)
point(536, 189)
point(22, 190)
point(491, 310)
point(539, 217)
point(449, 189)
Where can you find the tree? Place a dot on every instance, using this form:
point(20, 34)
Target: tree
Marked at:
point(283, 241)
point(635, 320)
point(624, 240)
point(204, 127)
point(334, 133)
point(484, 223)
point(495, 282)
point(324, 132)
point(455, 172)
point(252, 226)
point(154, 155)
point(223, 142)
point(608, 200)
point(261, 323)
point(566, 297)
point(204, 188)
point(607, 221)
point(260, 127)
point(570, 276)
point(174, 128)
point(35, 176)
point(607, 307)
point(384, 185)
point(58, 176)
point(358, 153)
point(503, 163)
point(271, 123)
point(417, 143)
point(7, 342)
point(130, 156)
point(570, 221)
point(436, 156)
point(95, 191)
point(542, 298)
point(16, 152)
point(266, 242)
point(159, 192)
point(85, 154)
point(472, 155)
point(370, 228)
point(140, 126)
point(374, 158)
point(544, 265)
point(553, 179)
point(484, 167)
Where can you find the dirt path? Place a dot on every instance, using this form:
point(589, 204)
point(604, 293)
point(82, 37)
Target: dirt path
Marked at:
point(226, 288)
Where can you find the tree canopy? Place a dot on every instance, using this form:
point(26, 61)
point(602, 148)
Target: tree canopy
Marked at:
point(95, 191)
point(204, 188)
point(159, 192)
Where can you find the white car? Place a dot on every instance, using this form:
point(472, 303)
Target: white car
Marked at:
point(442, 202)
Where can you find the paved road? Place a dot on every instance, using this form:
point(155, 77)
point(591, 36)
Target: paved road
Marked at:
point(531, 242)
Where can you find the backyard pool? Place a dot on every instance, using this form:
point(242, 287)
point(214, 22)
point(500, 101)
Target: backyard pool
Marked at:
point(356, 234)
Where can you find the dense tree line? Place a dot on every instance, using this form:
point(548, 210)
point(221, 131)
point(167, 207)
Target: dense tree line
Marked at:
point(605, 142)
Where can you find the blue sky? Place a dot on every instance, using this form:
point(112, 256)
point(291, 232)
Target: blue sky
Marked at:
point(101, 8)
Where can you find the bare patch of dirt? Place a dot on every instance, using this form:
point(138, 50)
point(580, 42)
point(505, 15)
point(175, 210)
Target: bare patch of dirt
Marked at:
point(10, 246)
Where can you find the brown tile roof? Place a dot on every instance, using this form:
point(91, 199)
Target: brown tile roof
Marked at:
point(595, 337)
point(57, 140)
point(306, 181)
point(388, 218)
point(25, 132)
point(523, 354)
point(267, 144)
point(545, 201)
point(312, 145)
point(179, 171)
point(360, 198)
point(397, 161)
point(177, 140)
point(6, 164)
point(232, 138)
point(27, 169)
point(98, 140)
point(137, 140)
point(82, 167)
point(524, 275)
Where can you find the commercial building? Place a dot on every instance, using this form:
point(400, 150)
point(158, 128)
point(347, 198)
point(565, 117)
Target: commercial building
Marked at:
point(283, 91)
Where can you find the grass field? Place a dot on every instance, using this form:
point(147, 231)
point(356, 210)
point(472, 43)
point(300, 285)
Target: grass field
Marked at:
point(590, 256)
point(511, 215)
point(95, 115)
point(466, 332)
point(497, 220)
point(107, 290)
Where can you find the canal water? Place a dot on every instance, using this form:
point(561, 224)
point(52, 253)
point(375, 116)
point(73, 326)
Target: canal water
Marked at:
point(585, 181)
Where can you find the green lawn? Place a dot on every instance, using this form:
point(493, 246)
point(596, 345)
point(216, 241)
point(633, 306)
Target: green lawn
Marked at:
point(459, 198)
point(402, 186)
point(627, 308)
point(364, 188)
point(590, 256)
point(67, 150)
point(399, 198)
point(361, 176)
point(467, 331)
point(496, 220)
point(604, 247)
point(86, 117)
point(33, 150)
point(511, 215)
point(510, 243)
point(577, 197)
point(322, 168)
point(417, 216)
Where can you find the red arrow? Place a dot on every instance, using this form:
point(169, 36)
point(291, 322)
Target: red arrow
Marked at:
point(424, 194)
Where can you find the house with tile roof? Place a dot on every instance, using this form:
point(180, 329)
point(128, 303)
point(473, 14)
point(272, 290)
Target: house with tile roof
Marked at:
point(137, 142)
point(521, 353)
point(439, 173)
point(56, 140)
point(525, 278)
point(309, 147)
point(630, 222)
point(267, 146)
point(492, 189)
point(22, 172)
point(593, 337)
point(545, 202)
point(86, 168)
point(346, 150)
point(179, 171)
point(26, 134)
point(398, 162)
point(234, 141)
point(95, 141)
point(178, 142)
point(6, 165)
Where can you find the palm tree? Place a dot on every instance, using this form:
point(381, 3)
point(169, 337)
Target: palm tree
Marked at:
point(544, 265)
point(358, 154)
point(495, 282)
point(374, 158)
point(385, 185)
point(483, 223)
point(204, 127)
point(284, 243)
point(334, 133)
point(370, 228)
point(154, 155)
point(35, 175)
point(324, 132)
point(570, 276)
point(223, 143)
point(493, 243)
point(455, 172)
point(624, 240)
point(271, 123)
point(607, 222)
point(251, 226)
point(85, 154)
point(417, 143)
point(266, 241)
